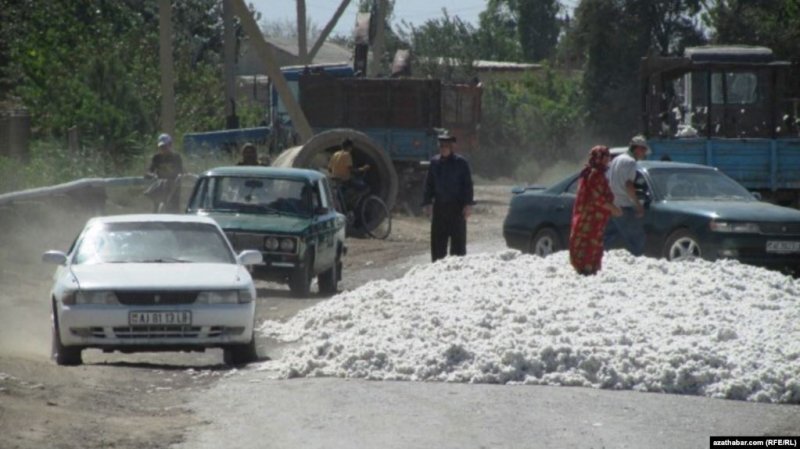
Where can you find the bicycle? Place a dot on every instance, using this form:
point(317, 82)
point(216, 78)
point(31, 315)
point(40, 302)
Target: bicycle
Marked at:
point(370, 214)
point(161, 192)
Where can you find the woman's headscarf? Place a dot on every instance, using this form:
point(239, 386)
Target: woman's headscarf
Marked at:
point(596, 155)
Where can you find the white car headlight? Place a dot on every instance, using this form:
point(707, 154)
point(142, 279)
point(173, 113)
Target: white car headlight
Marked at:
point(738, 227)
point(95, 297)
point(218, 297)
point(245, 296)
point(287, 245)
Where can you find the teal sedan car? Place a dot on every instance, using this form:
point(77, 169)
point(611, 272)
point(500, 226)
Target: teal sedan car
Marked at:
point(692, 211)
point(287, 214)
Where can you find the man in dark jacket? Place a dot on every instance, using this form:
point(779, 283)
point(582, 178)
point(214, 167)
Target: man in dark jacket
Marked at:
point(448, 191)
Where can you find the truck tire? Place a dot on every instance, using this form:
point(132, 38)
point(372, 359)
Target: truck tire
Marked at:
point(314, 154)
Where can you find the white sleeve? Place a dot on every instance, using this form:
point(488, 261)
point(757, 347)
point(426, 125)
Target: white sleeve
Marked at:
point(628, 169)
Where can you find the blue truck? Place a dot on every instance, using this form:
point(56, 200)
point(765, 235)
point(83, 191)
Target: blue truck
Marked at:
point(393, 123)
point(733, 107)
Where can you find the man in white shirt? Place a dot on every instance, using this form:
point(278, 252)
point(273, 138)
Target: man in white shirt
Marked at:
point(621, 177)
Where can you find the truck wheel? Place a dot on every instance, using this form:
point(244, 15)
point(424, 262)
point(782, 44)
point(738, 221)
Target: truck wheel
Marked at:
point(300, 279)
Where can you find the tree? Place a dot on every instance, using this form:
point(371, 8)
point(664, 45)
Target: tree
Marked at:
point(538, 28)
point(94, 64)
point(444, 48)
point(613, 37)
point(771, 23)
point(530, 124)
point(497, 34)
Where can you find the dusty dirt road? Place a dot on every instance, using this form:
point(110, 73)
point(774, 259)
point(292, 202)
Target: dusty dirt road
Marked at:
point(194, 401)
point(140, 400)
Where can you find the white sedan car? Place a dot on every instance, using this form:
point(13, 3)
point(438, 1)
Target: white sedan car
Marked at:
point(152, 283)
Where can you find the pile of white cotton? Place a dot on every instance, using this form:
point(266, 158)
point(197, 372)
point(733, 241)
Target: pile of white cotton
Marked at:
point(720, 329)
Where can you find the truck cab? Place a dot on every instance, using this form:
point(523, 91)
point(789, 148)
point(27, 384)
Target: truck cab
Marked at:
point(735, 108)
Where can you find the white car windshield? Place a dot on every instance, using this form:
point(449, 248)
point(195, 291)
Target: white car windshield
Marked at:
point(152, 242)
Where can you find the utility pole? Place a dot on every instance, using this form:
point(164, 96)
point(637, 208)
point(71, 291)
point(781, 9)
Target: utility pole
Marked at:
point(302, 44)
point(378, 43)
point(229, 65)
point(166, 66)
point(265, 52)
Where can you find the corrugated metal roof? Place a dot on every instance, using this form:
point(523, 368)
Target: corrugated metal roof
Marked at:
point(328, 53)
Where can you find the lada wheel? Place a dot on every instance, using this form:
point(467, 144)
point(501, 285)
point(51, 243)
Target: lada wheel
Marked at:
point(329, 280)
point(682, 245)
point(300, 279)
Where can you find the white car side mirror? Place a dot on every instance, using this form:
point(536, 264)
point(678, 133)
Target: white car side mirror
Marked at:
point(54, 257)
point(250, 257)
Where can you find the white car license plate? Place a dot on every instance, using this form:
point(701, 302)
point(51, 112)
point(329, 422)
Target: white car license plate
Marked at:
point(159, 318)
point(774, 246)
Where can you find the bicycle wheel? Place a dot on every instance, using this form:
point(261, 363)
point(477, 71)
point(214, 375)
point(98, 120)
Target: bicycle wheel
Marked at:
point(375, 217)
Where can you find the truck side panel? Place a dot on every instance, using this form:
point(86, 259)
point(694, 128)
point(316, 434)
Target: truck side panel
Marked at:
point(761, 164)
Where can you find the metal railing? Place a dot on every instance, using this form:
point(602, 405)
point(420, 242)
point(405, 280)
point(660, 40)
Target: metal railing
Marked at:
point(77, 186)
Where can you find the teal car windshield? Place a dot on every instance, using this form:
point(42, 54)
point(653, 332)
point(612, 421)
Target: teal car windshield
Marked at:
point(255, 195)
point(693, 185)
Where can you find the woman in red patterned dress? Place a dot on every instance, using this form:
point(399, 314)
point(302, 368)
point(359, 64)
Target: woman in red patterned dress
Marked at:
point(594, 204)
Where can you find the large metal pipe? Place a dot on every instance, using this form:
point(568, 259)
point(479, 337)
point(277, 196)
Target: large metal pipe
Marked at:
point(315, 154)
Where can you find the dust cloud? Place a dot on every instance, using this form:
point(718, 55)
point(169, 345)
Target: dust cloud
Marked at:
point(28, 229)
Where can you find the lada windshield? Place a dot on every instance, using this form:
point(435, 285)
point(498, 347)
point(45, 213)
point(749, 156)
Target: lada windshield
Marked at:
point(257, 195)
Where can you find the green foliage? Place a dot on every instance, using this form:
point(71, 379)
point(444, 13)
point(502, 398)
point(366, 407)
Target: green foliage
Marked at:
point(771, 23)
point(444, 48)
point(538, 28)
point(530, 124)
point(50, 163)
point(614, 36)
point(71, 63)
point(515, 30)
point(497, 34)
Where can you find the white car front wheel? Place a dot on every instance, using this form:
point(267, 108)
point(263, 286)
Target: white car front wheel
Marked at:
point(63, 355)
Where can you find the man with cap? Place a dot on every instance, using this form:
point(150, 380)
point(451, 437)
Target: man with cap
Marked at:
point(621, 178)
point(448, 192)
point(165, 166)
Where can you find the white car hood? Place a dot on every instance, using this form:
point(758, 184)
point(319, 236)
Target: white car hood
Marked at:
point(166, 276)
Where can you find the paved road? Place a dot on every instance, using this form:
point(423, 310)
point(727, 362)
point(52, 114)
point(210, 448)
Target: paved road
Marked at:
point(250, 411)
point(255, 410)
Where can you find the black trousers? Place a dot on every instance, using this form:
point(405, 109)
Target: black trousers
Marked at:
point(448, 224)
